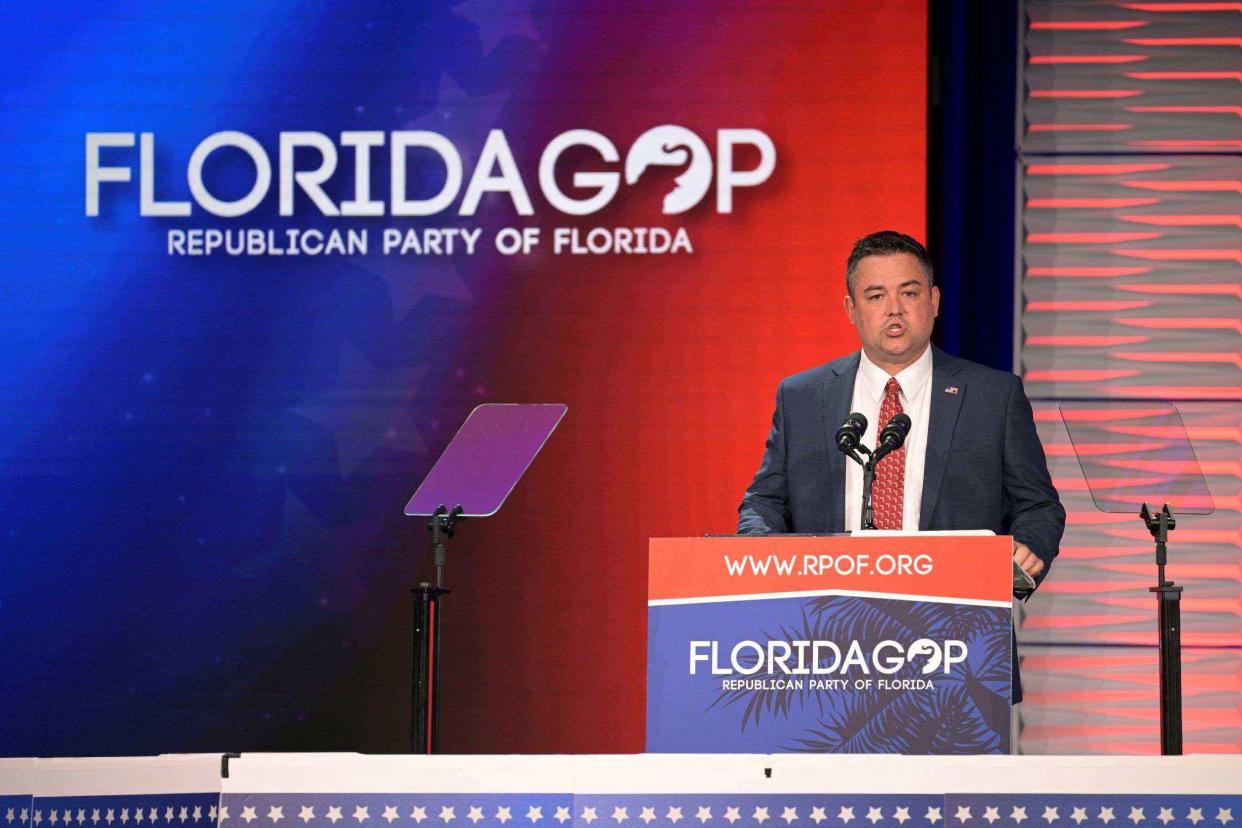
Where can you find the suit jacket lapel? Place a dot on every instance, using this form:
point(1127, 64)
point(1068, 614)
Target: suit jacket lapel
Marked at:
point(946, 401)
point(836, 395)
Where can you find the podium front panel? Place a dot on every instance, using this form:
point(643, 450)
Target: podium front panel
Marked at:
point(879, 644)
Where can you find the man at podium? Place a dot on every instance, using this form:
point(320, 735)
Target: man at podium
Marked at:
point(971, 458)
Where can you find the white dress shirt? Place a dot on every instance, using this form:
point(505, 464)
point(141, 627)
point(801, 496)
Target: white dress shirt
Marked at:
point(915, 382)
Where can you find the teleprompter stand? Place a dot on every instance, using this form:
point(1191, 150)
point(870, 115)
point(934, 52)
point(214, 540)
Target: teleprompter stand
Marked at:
point(477, 471)
point(425, 735)
point(1168, 603)
point(1132, 453)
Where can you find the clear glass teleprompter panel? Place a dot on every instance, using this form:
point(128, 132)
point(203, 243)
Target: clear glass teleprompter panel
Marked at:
point(486, 458)
point(1134, 452)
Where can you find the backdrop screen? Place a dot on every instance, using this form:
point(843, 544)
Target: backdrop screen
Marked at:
point(260, 261)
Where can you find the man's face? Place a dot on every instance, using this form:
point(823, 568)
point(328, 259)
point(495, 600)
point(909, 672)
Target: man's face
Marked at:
point(893, 309)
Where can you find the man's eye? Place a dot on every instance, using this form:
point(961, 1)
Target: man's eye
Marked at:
point(874, 296)
point(912, 293)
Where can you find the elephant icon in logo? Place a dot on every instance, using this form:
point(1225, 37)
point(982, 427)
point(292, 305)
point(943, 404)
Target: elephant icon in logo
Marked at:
point(931, 650)
point(673, 146)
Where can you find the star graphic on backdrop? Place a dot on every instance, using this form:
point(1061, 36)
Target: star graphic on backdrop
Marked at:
point(818, 815)
point(760, 815)
point(1166, 815)
point(306, 813)
point(390, 814)
point(874, 815)
point(475, 814)
point(1224, 815)
point(647, 815)
point(845, 814)
point(82, 815)
point(963, 813)
point(153, 814)
point(466, 120)
point(38, 817)
point(276, 813)
point(703, 814)
point(790, 815)
point(418, 814)
point(183, 814)
point(248, 814)
point(109, 816)
point(499, 20)
point(504, 813)
point(1051, 814)
point(991, 814)
point(411, 279)
point(54, 816)
point(562, 814)
point(1195, 815)
point(674, 814)
point(168, 814)
point(933, 815)
point(197, 813)
point(366, 409)
point(362, 813)
point(1136, 815)
point(1106, 815)
point(334, 813)
point(124, 816)
point(1079, 815)
point(1018, 814)
point(588, 815)
point(448, 813)
point(620, 814)
point(901, 814)
point(732, 814)
point(534, 813)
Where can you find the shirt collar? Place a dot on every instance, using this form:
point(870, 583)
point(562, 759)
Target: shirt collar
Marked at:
point(912, 378)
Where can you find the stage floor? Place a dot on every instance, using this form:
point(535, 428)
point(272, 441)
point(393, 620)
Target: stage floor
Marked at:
point(640, 791)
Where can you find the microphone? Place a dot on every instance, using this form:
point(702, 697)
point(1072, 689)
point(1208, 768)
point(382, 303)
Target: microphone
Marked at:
point(894, 434)
point(850, 434)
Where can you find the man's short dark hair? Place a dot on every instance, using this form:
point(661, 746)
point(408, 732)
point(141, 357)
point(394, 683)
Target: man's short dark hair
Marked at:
point(886, 243)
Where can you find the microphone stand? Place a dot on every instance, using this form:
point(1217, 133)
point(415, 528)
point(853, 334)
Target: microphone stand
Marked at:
point(868, 468)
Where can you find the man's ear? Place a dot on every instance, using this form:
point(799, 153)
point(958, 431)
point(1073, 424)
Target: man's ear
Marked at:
point(849, 308)
point(935, 298)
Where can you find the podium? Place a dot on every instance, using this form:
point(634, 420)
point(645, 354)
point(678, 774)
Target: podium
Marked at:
point(871, 643)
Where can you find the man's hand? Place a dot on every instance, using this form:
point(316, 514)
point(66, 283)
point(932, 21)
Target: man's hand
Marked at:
point(1028, 560)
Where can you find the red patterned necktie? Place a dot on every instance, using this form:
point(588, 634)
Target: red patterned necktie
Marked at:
point(888, 493)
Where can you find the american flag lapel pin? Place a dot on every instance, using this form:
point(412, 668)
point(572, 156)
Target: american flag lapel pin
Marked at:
point(952, 389)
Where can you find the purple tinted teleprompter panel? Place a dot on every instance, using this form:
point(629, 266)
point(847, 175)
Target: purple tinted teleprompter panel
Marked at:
point(486, 458)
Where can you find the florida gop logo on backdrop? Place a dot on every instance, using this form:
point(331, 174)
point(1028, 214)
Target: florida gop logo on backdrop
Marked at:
point(292, 175)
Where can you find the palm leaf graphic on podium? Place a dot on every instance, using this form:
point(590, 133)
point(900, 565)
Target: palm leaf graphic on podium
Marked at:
point(965, 712)
point(775, 702)
point(986, 677)
point(867, 619)
point(860, 723)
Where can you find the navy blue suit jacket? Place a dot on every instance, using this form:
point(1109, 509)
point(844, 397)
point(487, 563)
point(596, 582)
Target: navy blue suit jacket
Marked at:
point(985, 466)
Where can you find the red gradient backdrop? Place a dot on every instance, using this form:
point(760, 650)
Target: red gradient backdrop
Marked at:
point(669, 364)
